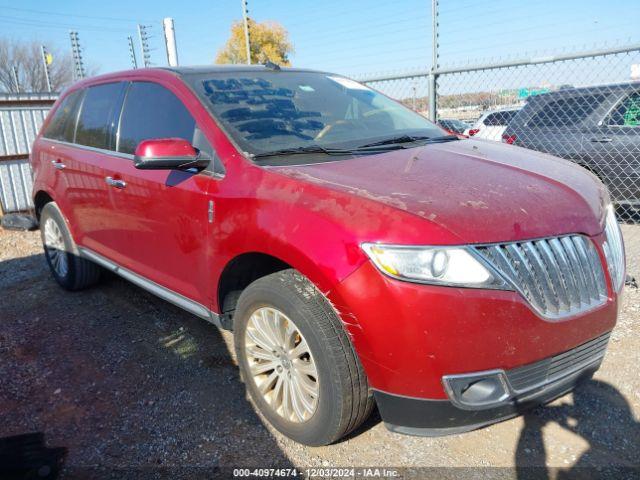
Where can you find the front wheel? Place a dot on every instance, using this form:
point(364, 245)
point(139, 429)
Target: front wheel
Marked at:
point(298, 364)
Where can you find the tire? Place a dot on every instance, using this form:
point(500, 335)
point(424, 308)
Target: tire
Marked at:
point(70, 270)
point(343, 399)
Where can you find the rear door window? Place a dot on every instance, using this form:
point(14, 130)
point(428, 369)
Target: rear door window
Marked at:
point(150, 112)
point(627, 112)
point(566, 112)
point(63, 123)
point(98, 113)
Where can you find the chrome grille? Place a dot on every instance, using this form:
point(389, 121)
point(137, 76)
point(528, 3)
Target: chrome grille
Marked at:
point(550, 370)
point(559, 277)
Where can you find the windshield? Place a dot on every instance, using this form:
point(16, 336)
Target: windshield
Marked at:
point(270, 111)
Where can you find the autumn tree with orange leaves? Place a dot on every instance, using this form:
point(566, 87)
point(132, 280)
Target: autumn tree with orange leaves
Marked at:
point(269, 42)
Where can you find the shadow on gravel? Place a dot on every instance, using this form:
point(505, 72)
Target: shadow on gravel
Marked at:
point(132, 386)
point(602, 417)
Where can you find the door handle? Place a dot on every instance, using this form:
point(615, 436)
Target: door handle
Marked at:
point(112, 182)
point(602, 140)
point(58, 164)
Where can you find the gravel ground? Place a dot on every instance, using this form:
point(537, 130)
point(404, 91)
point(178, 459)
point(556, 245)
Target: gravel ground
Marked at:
point(131, 384)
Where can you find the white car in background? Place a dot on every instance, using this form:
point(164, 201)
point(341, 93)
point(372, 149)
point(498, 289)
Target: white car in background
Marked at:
point(492, 124)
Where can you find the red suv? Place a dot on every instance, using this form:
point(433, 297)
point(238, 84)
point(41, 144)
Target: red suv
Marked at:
point(360, 254)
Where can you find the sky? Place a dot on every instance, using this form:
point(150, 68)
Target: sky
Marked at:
point(351, 37)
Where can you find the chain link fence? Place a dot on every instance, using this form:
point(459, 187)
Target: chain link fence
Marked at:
point(584, 107)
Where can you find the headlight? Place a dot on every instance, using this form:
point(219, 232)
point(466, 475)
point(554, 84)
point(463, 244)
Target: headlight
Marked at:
point(455, 266)
point(614, 249)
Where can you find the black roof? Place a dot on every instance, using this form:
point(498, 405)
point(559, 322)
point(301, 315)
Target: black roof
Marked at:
point(591, 90)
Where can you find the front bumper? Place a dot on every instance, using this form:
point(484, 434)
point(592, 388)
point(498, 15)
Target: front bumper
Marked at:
point(409, 336)
point(423, 417)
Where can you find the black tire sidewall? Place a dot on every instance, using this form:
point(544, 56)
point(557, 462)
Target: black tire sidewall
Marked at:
point(51, 211)
point(321, 427)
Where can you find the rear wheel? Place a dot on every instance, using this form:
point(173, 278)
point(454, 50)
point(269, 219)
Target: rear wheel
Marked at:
point(298, 364)
point(70, 270)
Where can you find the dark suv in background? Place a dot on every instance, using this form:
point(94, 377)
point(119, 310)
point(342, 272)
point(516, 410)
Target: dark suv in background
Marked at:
point(596, 127)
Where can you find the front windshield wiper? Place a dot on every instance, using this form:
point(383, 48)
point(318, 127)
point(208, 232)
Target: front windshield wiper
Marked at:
point(409, 139)
point(306, 149)
point(321, 149)
point(394, 143)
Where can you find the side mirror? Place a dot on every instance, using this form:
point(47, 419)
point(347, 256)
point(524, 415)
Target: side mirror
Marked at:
point(168, 154)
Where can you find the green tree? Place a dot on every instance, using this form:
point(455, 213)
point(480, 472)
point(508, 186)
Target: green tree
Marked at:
point(269, 42)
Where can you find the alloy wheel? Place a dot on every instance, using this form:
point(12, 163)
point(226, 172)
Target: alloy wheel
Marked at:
point(55, 247)
point(281, 364)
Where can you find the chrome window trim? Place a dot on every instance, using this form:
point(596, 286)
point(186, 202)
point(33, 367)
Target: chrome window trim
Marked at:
point(165, 293)
point(209, 173)
point(91, 149)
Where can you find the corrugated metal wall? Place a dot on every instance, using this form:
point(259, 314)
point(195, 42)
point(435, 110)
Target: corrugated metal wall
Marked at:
point(21, 116)
point(15, 185)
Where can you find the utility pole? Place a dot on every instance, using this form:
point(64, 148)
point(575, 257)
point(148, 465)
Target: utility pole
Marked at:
point(76, 52)
point(132, 53)
point(144, 45)
point(46, 61)
point(170, 41)
point(14, 71)
point(247, 35)
point(433, 79)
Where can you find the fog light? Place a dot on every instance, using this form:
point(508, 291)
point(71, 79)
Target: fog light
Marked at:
point(478, 390)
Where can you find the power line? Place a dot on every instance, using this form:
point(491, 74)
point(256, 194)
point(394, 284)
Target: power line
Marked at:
point(66, 26)
point(544, 27)
point(464, 6)
point(550, 37)
point(356, 13)
point(376, 35)
point(330, 32)
point(43, 12)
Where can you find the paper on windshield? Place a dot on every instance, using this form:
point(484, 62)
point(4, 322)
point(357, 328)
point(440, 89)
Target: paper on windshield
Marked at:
point(347, 83)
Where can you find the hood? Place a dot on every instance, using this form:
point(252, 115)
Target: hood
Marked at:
point(479, 191)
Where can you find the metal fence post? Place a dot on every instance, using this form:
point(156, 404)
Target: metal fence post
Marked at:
point(433, 109)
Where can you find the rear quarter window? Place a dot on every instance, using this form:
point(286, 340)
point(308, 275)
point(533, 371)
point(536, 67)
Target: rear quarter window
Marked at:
point(63, 123)
point(97, 115)
point(626, 113)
